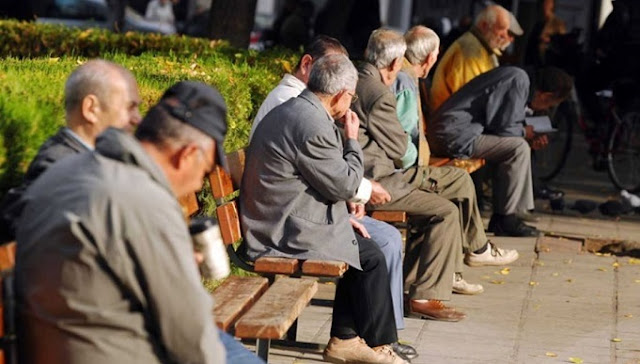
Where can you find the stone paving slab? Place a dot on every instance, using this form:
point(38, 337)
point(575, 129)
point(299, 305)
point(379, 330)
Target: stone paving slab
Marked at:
point(567, 304)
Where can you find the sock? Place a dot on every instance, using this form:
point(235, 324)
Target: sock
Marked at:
point(483, 249)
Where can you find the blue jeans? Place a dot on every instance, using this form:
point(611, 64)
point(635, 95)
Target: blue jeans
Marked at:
point(389, 241)
point(236, 352)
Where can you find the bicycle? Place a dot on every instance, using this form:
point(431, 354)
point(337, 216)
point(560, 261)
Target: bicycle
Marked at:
point(614, 143)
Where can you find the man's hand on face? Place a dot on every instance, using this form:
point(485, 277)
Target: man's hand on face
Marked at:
point(379, 195)
point(351, 125)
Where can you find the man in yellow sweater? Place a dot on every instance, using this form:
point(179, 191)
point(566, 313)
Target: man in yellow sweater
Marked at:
point(474, 53)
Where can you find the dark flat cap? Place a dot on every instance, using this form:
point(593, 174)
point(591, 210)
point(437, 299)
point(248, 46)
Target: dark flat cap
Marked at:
point(202, 107)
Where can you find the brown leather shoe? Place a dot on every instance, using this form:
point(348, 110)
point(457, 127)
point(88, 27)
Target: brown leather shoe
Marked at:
point(434, 310)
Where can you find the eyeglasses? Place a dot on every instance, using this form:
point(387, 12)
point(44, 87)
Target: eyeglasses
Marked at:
point(354, 97)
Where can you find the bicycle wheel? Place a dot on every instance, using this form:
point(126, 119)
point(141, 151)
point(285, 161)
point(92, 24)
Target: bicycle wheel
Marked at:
point(550, 160)
point(623, 155)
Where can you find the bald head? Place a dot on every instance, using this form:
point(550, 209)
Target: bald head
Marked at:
point(494, 22)
point(101, 94)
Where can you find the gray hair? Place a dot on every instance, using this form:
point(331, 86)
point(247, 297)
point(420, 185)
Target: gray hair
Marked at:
point(384, 46)
point(331, 74)
point(421, 42)
point(489, 15)
point(94, 77)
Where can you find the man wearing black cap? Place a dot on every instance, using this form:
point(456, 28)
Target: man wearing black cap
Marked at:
point(105, 271)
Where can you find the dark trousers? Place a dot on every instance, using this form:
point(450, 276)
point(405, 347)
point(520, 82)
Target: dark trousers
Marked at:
point(363, 305)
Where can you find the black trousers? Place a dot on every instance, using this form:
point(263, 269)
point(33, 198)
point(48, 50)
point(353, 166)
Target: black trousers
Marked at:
point(363, 306)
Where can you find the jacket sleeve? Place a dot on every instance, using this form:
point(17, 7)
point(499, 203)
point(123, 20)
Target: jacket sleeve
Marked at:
point(179, 306)
point(506, 107)
point(385, 128)
point(329, 168)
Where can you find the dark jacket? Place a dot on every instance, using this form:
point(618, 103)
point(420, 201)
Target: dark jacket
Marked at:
point(492, 103)
point(55, 148)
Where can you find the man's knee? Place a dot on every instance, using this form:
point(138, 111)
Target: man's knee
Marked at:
point(522, 148)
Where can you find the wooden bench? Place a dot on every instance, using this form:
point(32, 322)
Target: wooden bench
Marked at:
point(8, 352)
point(225, 189)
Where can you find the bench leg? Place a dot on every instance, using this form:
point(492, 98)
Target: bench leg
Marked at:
point(262, 349)
point(292, 333)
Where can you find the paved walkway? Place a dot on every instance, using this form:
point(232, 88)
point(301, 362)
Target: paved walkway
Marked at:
point(555, 306)
point(548, 307)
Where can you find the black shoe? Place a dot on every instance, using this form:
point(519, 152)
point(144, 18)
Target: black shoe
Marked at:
point(510, 225)
point(406, 352)
point(545, 193)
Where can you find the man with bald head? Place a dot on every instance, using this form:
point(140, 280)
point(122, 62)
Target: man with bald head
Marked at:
point(97, 95)
point(475, 52)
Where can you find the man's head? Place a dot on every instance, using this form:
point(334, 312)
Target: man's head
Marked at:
point(551, 86)
point(385, 51)
point(101, 94)
point(494, 23)
point(320, 46)
point(422, 49)
point(184, 132)
point(333, 79)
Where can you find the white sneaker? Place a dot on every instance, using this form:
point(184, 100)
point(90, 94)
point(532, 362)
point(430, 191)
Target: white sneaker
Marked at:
point(463, 287)
point(390, 355)
point(492, 256)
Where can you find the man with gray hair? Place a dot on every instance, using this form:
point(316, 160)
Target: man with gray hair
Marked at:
point(456, 184)
point(430, 258)
point(475, 52)
point(97, 95)
point(299, 172)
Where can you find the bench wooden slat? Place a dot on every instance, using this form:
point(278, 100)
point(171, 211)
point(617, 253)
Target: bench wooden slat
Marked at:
point(236, 162)
point(273, 265)
point(221, 184)
point(235, 296)
point(229, 222)
point(324, 268)
point(390, 216)
point(7, 256)
point(189, 204)
point(277, 309)
point(438, 161)
point(469, 165)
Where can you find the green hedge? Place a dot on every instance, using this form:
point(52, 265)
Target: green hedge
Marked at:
point(31, 89)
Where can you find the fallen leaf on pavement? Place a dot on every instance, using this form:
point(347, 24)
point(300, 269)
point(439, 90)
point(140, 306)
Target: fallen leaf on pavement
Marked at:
point(555, 274)
point(568, 261)
point(628, 315)
point(634, 261)
point(602, 269)
point(576, 360)
point(533, 283)
point(550, 354)
point(616, 340)
point(570, 280)
point(616, 264)
point(497, 281)
point(505, 271)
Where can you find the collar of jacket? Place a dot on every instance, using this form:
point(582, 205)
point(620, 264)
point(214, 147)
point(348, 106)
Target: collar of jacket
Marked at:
point(370, 70)
point(120, 146)
point(315, 101)
point(476, 33)
point(407, 68)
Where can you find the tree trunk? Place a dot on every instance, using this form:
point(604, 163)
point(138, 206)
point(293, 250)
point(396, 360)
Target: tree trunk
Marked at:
point(232, 20)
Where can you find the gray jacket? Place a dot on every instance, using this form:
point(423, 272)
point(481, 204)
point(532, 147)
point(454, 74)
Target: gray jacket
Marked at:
point(492, 103)
point(105, 271)
point(383, 140)
point(298, 174)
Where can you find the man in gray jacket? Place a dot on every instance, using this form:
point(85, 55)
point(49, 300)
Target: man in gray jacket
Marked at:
point(299, 172)
point(485, 119)
point(105, 270)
